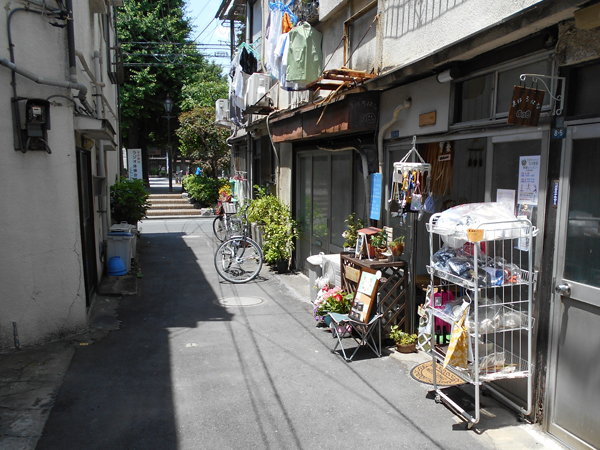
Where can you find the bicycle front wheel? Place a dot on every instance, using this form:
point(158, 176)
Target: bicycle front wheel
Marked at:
point(219, 228)
point(238, 260)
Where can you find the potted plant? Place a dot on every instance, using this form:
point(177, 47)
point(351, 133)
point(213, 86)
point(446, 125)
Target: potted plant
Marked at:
point(333, 300)
point(378, 243)
point(405, 343)
point(351, 233)
point(128, 201)
point(397, 247)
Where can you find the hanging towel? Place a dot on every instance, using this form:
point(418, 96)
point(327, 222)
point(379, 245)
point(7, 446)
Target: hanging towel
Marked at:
point(286, 24)
point(272, 34)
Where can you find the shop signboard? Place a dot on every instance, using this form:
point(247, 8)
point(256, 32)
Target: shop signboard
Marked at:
point(526, 106)
point(375, 196)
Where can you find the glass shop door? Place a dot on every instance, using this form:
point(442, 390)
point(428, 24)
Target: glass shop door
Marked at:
point(574, 372)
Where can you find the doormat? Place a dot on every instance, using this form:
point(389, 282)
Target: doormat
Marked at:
point(423, 373)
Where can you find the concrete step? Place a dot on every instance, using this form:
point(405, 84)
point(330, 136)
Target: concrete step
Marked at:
point(163, 196)
point(162, 206)
point(172, 201)
point(174, 212)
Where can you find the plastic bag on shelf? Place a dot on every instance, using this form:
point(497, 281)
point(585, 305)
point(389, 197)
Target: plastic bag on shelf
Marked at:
point(489, 319)
point(453, 223)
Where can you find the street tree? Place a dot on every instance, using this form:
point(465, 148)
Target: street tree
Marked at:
point(202, 141)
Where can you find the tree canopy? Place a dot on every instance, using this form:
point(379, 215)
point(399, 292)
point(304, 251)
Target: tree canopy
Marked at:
point(202, 141)
point(160, 58)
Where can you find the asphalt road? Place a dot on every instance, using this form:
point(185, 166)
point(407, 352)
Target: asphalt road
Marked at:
point(185, 372)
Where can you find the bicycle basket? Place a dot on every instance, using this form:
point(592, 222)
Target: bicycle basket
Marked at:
point(229, 208)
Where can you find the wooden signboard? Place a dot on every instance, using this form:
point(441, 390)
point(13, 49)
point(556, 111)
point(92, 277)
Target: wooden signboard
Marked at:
point(365, 296)
point(526, 106)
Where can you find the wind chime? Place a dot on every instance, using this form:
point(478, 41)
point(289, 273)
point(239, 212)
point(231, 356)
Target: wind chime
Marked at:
point(410, 185)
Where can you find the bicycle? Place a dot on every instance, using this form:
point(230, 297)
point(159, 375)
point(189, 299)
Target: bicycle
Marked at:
point(226, 225)
point(239, 259)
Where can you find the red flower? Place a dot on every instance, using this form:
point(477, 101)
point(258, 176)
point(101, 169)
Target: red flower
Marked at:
point(338, 297)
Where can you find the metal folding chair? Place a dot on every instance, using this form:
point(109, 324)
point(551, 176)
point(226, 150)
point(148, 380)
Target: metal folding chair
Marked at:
point(360, 332)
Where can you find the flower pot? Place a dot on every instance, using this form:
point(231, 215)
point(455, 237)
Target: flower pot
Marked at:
point(282, 266)
point(327, 319)
point(408, 348)
point(397, 250)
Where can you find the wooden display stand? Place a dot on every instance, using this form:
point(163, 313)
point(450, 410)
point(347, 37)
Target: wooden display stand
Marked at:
point(393, 286)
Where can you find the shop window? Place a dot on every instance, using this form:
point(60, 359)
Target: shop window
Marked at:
point(584, 91)
point(487, 97)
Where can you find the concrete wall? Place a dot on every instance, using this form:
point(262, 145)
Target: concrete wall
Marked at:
point(286, 164)
point(427, 95)
point(407, 30)
point(41, 268)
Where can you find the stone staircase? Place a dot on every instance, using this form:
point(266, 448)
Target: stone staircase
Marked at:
point(173, 205)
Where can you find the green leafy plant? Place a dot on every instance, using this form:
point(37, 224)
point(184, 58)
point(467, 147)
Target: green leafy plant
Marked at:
point(379, 240)
point(400, 337)
point(204, 190)
point(397, 246)
point(351, 233)
point(128, 201)
point(280, 228)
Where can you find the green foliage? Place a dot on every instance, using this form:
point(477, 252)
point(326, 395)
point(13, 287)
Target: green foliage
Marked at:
point(203, 142)
point(128, 201)
point(351, 233)
point(280, 228)
point(379, 239)
point(203, 94)
point(203, 189)
point(400, 337)
point(149, 31)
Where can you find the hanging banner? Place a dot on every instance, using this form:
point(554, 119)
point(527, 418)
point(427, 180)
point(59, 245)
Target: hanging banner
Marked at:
point(526, 106)
point(134, 163)
point(529, 180)
point(375, 196)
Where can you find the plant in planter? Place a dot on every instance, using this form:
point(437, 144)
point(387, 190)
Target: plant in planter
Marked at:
point(351, 233)
point(379, 243)
point(332, 300)
point(397, 247)
point(128, 201)
point(280, 229)
point(405, 343)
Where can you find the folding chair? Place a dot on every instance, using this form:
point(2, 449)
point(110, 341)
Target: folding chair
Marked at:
point(362, 333)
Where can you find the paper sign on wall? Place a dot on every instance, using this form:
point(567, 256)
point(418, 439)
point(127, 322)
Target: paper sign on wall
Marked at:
point(529, 180)
point(134, 163)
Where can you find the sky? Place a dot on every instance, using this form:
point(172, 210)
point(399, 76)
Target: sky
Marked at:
point(207, 29)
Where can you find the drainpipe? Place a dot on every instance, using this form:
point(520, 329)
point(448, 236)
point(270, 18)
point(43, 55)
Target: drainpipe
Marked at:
point(365, 167)
point(100, 146)
point(384, 128)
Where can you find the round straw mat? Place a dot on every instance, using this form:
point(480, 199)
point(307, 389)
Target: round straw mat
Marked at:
point(424, 374)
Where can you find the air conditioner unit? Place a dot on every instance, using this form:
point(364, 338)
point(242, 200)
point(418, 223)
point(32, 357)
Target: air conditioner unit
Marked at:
point(222, 110)
point(222, 113)
point(256, 93)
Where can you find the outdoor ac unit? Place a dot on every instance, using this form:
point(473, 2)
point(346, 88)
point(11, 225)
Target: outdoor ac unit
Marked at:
point(256, 93)
point(222, 110)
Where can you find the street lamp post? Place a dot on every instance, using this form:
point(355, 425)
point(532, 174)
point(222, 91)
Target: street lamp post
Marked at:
point(168, 109)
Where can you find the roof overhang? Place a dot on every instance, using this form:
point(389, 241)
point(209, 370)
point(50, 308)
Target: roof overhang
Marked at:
point(231, 10)
point(99, 129)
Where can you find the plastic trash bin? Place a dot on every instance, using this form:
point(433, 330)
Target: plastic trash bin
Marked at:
point(128, 228)
point(313, 263)
point(119, 243)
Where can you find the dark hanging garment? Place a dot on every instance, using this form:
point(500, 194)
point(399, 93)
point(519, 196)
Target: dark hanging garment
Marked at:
point(248, 62)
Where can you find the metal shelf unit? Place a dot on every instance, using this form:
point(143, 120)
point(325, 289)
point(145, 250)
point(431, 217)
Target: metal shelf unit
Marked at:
point(496, 277)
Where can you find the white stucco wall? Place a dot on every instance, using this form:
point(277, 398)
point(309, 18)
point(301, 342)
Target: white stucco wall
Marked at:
point(41, 268)
point(411, 30)
point(426, 95)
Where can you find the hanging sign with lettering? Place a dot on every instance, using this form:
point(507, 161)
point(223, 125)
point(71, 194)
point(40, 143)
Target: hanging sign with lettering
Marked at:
point(526, 106)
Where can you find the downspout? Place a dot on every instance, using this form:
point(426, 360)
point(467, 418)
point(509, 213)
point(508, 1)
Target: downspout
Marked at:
point(384, 128)
point(365, 167)
point(100, 146)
